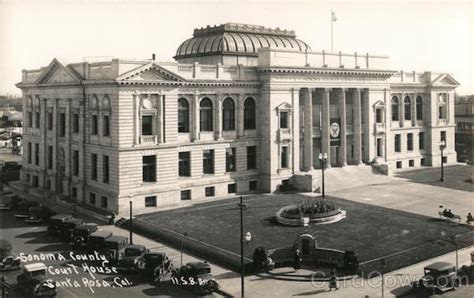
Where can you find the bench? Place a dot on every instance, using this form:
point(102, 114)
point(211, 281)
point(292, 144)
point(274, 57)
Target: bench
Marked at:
point(451, 218)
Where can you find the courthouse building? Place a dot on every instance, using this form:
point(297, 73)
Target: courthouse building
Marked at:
point(243, 109)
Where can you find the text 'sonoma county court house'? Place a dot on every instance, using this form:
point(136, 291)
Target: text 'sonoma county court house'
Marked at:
point(244, 108)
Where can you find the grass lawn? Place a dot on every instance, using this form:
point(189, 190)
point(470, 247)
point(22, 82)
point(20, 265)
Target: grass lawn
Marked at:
point(371, 231)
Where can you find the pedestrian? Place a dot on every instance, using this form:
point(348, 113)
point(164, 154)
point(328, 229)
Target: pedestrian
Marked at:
point(469, 218)
point(112, 218)
point(333, 280)
point(297, 260)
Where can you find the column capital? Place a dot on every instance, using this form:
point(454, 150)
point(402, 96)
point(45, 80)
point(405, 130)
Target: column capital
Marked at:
point(343, 89)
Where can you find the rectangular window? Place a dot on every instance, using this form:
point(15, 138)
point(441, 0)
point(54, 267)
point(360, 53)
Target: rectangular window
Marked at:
point(92, 198)
point(50, 157)
point(230, 157)
point(75, 123)
point(423, 162)
point(62, 125)
point(94, 166)
point(150, 201)
point(186, 194)
point(149, 168)
point(232, 188)
point(399, 164)
point(252, 185)
point(28, 178)
point(397, 143)
point(184, 164)
point(48, 184)
point(284, 120)
point(284, 157)
point(103, 202)
point(37, 120)
point(208, 161)
point(35, 181)
point(421, 140)
point(37, 154)
point(410, 142)
point(105, 169)
point(106, 126)
point(94, 125)
point(50, 121)
point(30, 153)
point(30, 119)
point(443, 136)
point(147, 125)
point(378, 115)
point(411, 163)
point(74, 192)
point(251, 157)
point(210, 191)
point(75, 162)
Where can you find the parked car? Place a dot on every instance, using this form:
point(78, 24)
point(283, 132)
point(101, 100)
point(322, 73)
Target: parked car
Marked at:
point(197, 277)
point(153, 266)
point(16, 200)
point(34, 281)
point(55, 223)
point(114, 248)
point(80, 235)
point(8, 261)
point(23, 207)
point(438, 277)
point(39, 214)
point(7, 200)
point(131, 256)
point(97, 239)
point(68, 226)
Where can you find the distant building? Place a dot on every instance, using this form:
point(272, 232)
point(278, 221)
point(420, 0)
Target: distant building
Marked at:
point(256, 115)
point(464, 117)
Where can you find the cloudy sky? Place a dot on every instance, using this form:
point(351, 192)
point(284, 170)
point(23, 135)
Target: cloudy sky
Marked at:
point(417, 35)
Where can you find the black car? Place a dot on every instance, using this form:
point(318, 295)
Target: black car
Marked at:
point(55, 223)
point(8, 201)
point(131, 256)
point(81, 234)
point(96, 241)
point(39, 214)
point(68, 226)
point(23, 207)
point(8, 261)
point(153, 266)
point(114, 247)
point(197, 277)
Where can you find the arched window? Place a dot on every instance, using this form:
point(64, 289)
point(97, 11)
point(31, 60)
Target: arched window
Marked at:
point(249, 114)
point(419, 108)
point(407, 108)
point(228, 115)
point(183, 115)
point(206, 115)
point(442, 109)
point(394, 108)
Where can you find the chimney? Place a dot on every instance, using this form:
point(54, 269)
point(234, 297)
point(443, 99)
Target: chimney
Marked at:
point(153, 56)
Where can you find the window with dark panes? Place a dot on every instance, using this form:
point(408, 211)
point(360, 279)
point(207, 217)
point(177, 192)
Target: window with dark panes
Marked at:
point(105, 169)
point(50, 121)
point(230, 160)
point(75, 162)
point(104, 202)
point(206, 115)
point(75, 123)
point(50, 157)
point(186, 194)
point(184, 164)
point(92, 198)
point(397, 143)
point(410, 142)
point(379, 115)
point(251, 157)
point(94, 125)
point(147, 125)
point(106, 126)
point(74, 192)
point(249, 114)
point(232, 188)
point(208, 161)
point(149, 168)
point(30, 152)
point(210, 191)
point(284, 157)
point(419, 108)
point(37, 120)
point(407, 107)
point(228, 117)
point(252, 185)
point(30, 119)
point(443, 136)
point(183, 115)
point(150, 201)
point(37, 154)
point(284, 120)
point(394, 108)
point(421, 140)
point(94, 166)
point(62, 124)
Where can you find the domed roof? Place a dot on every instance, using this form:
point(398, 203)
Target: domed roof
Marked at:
point(240, 39)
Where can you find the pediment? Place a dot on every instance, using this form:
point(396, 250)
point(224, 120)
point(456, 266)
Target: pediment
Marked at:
point(56, 72)
point(150, 72)
point(445, 80)
point(378, 104)
point(284, 106)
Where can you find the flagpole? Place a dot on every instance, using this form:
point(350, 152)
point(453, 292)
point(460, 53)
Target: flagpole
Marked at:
point(332, 49)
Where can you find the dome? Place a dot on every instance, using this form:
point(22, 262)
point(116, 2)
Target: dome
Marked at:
point(238, 39)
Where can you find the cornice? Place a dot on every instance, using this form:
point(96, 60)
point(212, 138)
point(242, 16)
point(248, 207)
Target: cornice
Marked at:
point(333, 71)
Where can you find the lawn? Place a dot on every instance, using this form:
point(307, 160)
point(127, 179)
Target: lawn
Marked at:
point(371, 231)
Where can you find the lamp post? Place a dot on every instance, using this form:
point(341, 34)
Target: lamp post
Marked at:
point(131, 223)
point(2, 163)
point(442, 146)
point(323, 159)
point(453, 240)
point(182, 246)
point(243, 240)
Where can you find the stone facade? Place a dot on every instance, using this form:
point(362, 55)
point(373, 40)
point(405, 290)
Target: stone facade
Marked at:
point(158, 133)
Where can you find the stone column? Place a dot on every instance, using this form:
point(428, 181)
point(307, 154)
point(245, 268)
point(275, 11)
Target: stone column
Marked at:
point(357, 127)
point(326, 122)
point(308, 130)
point(218, 125)
point(160, 121)
point(136, 122)
point(195, 117)
point(342, 107)
point(240, 116)
point(413, 110)
point(401, 114)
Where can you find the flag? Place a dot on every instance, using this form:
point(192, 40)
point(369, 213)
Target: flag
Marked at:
point(333, 16)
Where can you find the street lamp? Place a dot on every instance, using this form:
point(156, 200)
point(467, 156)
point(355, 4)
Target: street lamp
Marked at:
point(130, 222)
point(243, 240)
point(323, 159)
point(442, 146)
point(182, 246)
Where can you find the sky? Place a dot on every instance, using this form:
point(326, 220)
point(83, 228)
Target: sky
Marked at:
point(418, 35)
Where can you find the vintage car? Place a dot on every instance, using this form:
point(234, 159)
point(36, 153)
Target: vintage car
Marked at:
point(131, 256)
point(153, 266)
point(197, 277)
point(39, 214)
point(438, 277)
point(23, 207)
point(114, 247)
point(8, 261)
point(55, 223)
point(80, 234)
point(34, 282)
point(97, 239)
point(8, 201)
point(68, 226)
